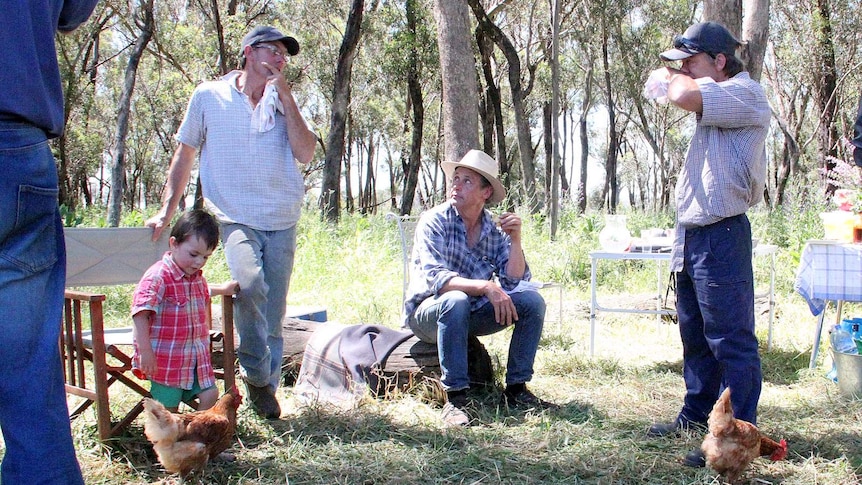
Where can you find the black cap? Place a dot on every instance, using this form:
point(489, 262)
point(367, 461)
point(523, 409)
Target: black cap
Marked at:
point(265, 33)
point(710, 37)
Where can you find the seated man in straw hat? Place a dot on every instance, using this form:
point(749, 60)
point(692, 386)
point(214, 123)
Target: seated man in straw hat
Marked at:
point(464, 270)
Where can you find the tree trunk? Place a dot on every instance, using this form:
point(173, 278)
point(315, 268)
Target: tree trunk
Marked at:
point(414, 91)
point(519, 94)
point(611, 190)
point(146, 23)
point(824, 97)
point(583, 131)
point(755, 31)
point(330, 196)
point(458, 73)
point(725, 12)
point(494, 107)
point(222, 50)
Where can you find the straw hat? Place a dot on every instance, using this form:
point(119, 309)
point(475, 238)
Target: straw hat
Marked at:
point(484, 165)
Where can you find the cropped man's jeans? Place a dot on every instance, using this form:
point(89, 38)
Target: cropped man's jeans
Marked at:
point(261, 262)
point(33, 414)
point(446, 320)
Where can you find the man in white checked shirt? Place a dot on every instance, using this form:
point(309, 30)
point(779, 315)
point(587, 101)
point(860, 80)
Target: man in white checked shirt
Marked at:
point(250, 134)
point(723, 175)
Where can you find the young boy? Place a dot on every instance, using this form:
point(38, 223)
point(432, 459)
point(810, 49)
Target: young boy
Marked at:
point(169, 309)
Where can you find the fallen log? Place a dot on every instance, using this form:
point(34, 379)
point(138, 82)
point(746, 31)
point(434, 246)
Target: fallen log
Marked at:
point(410, 364)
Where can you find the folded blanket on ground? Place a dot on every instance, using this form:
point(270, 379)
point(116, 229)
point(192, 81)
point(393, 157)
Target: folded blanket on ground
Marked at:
point(341, 362)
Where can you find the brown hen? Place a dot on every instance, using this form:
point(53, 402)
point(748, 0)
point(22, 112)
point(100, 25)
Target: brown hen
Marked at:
point(184, 443)
point(732, 444)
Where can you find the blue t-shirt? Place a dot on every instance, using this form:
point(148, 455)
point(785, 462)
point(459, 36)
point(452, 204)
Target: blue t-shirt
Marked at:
point(29, 73)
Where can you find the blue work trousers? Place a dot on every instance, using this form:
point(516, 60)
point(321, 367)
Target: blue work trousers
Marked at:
point(446, 320)
point(34, 416)
point(715, 306)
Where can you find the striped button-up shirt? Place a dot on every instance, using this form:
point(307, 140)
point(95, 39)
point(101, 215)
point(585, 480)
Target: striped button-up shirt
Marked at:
point(725, 169)
point(179, 333)
point(440, 253)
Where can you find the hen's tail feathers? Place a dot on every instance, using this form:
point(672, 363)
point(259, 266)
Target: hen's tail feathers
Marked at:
point(775, 451)
point(160, 423)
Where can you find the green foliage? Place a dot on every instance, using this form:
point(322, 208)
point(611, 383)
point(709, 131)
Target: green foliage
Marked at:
point(607, 400)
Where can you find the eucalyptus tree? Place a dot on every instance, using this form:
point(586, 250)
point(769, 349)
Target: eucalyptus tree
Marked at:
point(407, 65)
point(813, 79)
point(330, 195)
point(457, 71)
point(79, 148)
point(520, 89)
point(144, 20)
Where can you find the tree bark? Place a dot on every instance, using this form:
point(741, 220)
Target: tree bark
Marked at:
point(494, 107)
point(824, 97)
point(755, 31)
point(583, 132)
point(611, 190)
point(458, 73)
point(519, 95)
point(725, 12)
point(417, 121)
point(330, 196)
point(146, 23)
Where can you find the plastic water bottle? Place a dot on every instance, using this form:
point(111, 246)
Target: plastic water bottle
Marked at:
point(842, 341)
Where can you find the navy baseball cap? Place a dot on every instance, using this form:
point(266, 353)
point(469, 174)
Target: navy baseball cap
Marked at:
point(710, 37)
point(263, 33)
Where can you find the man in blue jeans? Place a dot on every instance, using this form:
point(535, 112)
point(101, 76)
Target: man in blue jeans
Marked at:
point(33, 413)
point(250, 135)
point(458, 253)
point(724, 174)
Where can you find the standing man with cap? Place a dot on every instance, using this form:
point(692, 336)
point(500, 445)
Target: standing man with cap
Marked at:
point(465, 269)
point(724, 174)
point(34, 417)
point(250, 134)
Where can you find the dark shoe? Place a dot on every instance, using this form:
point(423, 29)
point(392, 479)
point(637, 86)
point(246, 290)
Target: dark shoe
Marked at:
point(664, 429)
point(672, 429)
point(694, 459)
point(263, 401)
point(524, 399)
point(454, 412)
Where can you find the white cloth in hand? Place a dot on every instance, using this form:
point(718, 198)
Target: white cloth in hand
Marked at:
point(656, 86)
point(524, 285)
point(267, 107)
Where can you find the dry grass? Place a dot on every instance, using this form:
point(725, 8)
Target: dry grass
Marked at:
point(597, 437)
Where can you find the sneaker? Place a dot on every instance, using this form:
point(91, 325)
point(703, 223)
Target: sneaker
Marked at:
point(524, 399)
point(694, 459)
point(263, 401)
point(454, 412)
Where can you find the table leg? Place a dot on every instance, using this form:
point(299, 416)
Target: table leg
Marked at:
point(817, 331)
point(771, 300)
point(593, 262)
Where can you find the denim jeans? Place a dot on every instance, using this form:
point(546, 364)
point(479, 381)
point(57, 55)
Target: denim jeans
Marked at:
point(715, 306)
point(33, 414)
point(261, 262)
point(446, 320)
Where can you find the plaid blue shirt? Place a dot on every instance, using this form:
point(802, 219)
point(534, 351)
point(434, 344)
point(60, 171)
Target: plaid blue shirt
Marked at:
point(725, 169)
point(440, 253)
